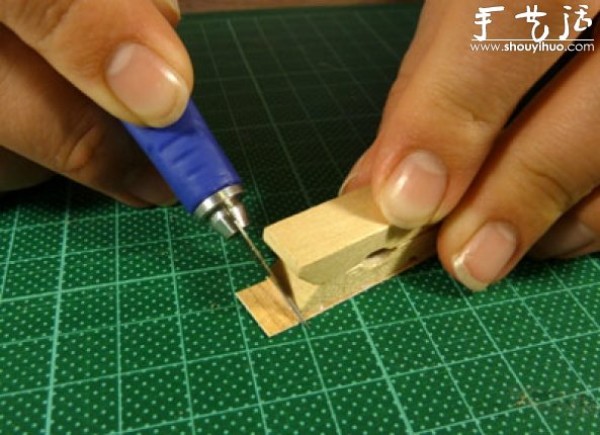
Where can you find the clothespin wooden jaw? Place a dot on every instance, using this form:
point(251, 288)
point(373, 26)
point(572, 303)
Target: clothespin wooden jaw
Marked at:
point(330, 253)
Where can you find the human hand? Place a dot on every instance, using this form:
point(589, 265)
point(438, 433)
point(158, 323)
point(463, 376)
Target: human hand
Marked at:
point(67, 69)
point(444, 149)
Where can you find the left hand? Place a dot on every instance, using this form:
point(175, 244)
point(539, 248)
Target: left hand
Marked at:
point(68, 69)
point(444, 150)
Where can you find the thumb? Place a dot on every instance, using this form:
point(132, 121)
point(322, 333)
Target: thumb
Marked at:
point(122, 54)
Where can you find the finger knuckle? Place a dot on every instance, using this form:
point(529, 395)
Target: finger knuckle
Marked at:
point(454, 129)
point(468, 113)
point(542, 180)
point(76, 157)
point(464, 129)
point(56, 19)
point(43, 20)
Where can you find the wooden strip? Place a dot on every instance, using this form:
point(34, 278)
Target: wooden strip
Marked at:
point(266, 304)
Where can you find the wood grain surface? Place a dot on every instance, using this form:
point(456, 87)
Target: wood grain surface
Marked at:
point(330, 253)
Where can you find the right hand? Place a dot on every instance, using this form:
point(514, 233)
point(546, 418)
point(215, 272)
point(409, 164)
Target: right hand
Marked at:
point(68, 68)
point(447, 149)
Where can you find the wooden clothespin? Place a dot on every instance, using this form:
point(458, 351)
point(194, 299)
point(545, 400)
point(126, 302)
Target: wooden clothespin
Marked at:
point(330, 253)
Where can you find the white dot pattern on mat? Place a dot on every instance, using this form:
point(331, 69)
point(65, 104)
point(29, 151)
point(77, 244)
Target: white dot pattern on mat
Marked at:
point(25, 365)
point(345, 359)
point(511, 325)
point(23, 413)
point(588, 297)
point(88, 309)
point(577, 273)
point(87, 354)
point(525, 418)
point(90, 234)
point(561, 315)
point(143, 227)
point(47, 242)
point(118, 320)
point(150, 343)
point(32, 277)
point(86, 407)
point(154, 396)
point(221, 383)
point(143, 261)
point(544, 373)
point(366, 408)
point(146, 300)
point(27, 318)
point(245, 421)
point(277, 378)
point(308, 414)
point(579, 413)
point(488, 384)
point(582, 352)
point(212, 333)
point(434, 399)
point(89, 268)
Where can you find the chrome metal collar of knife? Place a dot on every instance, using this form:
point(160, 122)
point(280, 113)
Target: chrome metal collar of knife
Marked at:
point(224, 210)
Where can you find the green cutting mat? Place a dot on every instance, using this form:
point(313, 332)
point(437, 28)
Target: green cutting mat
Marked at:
point(119, 320)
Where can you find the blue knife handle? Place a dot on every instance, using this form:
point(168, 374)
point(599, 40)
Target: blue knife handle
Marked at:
point(188, 157)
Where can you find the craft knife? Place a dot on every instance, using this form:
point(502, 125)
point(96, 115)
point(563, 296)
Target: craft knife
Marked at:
point(193, 164)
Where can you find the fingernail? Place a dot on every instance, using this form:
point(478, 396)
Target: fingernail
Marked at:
point(415, 190)
point(565, 238)
point(345, 183)
point(357, 169)
point(351, 177)
point(147, 85)
point(150, 187)
point(485, 255)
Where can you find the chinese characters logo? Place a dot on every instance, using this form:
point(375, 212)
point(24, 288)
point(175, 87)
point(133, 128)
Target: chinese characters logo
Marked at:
point(576, 20)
